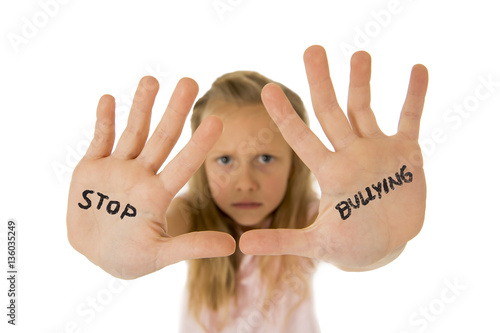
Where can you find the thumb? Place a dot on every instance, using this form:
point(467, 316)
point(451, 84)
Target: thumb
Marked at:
point(278, 242)
point(195, 245)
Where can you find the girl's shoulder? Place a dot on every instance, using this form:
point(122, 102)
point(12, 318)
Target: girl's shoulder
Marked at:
point(178, 217)
point(312, 210)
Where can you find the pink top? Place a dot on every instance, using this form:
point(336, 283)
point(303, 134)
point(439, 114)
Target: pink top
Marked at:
point(247, 316)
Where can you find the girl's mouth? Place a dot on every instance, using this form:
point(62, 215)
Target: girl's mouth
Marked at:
point(247, 205)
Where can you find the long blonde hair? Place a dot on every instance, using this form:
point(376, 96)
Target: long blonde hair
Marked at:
point(212, 281)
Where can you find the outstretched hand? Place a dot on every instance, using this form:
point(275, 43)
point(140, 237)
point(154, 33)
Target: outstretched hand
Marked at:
point(117, 201)
point(373, 188)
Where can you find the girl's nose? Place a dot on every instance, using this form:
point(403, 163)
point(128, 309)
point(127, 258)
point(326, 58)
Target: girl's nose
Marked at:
point(245, 179)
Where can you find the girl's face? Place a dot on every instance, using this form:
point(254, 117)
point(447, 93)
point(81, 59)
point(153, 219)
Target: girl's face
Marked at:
point(249, 166)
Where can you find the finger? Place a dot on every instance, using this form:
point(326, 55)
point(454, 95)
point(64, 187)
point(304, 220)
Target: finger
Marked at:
point(182, 167)
point(360, 114)
point(135, 134)
point(302, 140)
point(104, 133)
point(277, 242)
point(330, 115)
point(169, 129)
point(409, 122)
point(195, 245)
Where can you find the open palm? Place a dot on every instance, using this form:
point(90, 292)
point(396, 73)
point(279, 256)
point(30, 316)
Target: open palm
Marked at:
point(117, 201)
point(364, 215)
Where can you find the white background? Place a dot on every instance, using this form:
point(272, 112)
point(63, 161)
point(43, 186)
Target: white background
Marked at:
point(58, 58)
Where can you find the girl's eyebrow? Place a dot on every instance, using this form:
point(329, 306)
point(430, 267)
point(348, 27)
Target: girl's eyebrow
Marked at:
point(221, 152)
point(271, 152)
point(251, 151)
point(254, 150)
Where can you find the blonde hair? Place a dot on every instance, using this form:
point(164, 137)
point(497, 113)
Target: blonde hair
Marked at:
point(212, 282)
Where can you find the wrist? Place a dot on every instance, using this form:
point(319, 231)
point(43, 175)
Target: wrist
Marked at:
point(380, 263)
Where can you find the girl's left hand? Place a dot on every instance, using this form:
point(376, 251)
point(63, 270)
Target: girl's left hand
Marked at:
point(365, 232)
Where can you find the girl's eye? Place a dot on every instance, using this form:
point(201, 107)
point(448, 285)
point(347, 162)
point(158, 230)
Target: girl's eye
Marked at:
point(265, 159)
point(224, 160)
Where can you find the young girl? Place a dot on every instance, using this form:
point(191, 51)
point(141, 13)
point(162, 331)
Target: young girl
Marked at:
point(124, 216)
point(251, 179)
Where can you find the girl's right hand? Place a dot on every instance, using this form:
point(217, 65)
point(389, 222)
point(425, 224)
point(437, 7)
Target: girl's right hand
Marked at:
point(117, 201)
